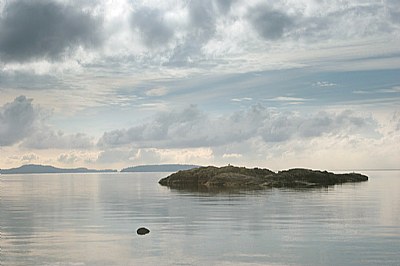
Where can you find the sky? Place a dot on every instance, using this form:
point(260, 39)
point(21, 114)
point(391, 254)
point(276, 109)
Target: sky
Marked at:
point(275, 84)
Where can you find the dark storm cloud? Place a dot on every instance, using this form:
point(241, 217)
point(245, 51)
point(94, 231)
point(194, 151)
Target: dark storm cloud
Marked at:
point(152, 26)
point(269, 23)
point(16, 120)
point(45, 29)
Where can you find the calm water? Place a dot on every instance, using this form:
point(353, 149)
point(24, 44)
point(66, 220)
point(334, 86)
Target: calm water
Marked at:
point(91, 219)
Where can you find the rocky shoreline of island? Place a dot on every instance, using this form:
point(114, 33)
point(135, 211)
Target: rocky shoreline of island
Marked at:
point(232, 177)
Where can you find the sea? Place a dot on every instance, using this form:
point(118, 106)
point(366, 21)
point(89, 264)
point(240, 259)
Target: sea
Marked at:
point(92, 219)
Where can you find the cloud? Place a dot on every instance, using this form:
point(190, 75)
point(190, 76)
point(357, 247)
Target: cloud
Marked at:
point(178, 37)
point(200, 28)
point(288, 99)
point(21, 122)
point(225, 5)
point(241, 99)
point(152, 26)
point(111, 156)
point(156, 92)
point(394, 90)
point(68, 158)
point(395, 121)
point(123, 156)
point(28, 80)
point(269, 23)
point(232, 155)
point(16, 120)
point(29, 157)
point(191, 128)
point(285, 126)
point(324, 84)
point(128, 155)
point(45, 29)
point(202, 17)
point(47, 138)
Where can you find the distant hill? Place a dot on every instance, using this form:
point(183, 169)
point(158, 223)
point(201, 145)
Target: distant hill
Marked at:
point(42, 169)
point(160, 168)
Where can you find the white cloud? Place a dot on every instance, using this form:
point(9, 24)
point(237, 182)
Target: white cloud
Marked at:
point(29, 157)
point(232, 155)
point(324, 84)
point(112, 156)
point(395, 89)
point(242, 99)
point(289, 100)
point(68, 158)
point(156, 92)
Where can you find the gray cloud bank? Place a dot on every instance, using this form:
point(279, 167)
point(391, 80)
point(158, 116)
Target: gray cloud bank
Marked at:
point(45, 29)
point(47, 138)
point(269, 23)
point(191, 134)
point(152, 26)
point(193, 128)
point(21, 122)
point(16, 120)
point(180, 31)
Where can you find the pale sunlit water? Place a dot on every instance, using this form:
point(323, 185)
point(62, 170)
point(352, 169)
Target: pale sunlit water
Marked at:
point(91, 219)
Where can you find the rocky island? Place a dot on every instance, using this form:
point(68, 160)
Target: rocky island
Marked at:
point(231, 177)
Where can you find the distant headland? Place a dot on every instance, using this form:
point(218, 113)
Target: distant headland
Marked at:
point(231, 177)
point(43, 169)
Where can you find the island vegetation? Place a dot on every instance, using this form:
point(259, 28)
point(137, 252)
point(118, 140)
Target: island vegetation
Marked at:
point(232, 177)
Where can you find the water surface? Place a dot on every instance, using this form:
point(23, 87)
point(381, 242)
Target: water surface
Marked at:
point(91, 219)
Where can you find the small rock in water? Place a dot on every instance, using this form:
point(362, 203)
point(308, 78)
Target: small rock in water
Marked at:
point(142, 231)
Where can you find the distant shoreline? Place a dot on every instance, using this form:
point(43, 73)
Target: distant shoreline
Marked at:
point(48, 169)
point(151, 168)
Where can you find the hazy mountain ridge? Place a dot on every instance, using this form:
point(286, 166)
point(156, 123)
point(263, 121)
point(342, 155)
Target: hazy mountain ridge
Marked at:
point(42, 169)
